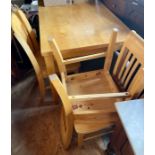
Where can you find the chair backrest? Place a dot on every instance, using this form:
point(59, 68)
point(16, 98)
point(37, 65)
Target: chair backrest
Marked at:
point(26, 25)
point(31, 32)
point(129, 65)
point(128, 71)
point(23, 38)
point(60, 61)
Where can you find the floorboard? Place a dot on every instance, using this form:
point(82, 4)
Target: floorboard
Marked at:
point(35, 126)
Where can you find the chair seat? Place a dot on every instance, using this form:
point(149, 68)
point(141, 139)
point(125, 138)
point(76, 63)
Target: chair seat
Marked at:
point(102, 111)
point(90, 82)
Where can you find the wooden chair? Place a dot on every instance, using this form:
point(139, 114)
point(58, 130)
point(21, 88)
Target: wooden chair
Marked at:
point(26, 37)
point(88, 98)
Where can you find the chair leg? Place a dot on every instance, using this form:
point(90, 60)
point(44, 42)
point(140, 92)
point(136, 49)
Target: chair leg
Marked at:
point(54, 95)
point(42, 92)
point(80, 139)
point(66, 126)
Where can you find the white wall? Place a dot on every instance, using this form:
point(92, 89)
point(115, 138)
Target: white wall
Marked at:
point(79, 1)
point(56, 2)
point(61, 2)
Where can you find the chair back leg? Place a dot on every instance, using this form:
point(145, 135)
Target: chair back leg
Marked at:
point(80, 139)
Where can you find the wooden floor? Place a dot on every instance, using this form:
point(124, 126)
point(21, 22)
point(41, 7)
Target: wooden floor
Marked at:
point(35, 125)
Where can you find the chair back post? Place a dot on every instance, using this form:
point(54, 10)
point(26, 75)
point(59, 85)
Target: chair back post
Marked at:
point(66, 113)
point(23, 18)
point(57, 55)
point(110, 51)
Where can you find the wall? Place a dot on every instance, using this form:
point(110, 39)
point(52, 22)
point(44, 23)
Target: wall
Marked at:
point(131, 12)
point(79, 1)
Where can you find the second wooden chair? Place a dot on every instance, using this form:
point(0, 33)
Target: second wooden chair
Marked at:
point(26, 37)
point(88, 98)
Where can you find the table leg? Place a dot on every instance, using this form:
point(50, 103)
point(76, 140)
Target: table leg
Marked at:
point(49, 61)
point(50, 68)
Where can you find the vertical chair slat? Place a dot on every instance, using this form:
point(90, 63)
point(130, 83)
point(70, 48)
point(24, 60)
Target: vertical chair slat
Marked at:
point(127, 69)
point(124, 64)
point(131, 74)
point(122, 53)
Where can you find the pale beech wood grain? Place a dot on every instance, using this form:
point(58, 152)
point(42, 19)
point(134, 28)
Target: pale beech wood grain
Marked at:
point(89, 97)
point(78, 28)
